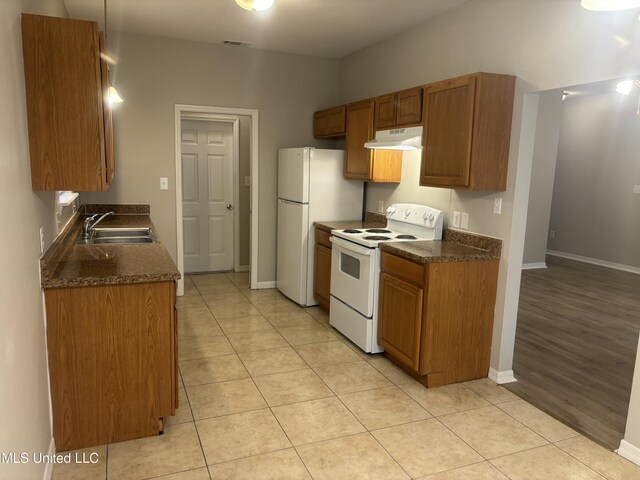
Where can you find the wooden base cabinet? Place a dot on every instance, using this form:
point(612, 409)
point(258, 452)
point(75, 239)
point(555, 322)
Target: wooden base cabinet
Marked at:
point(112, 360)
point(436, 320)
point(322, 274)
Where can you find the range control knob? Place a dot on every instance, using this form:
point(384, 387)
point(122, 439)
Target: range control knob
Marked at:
point(391, 210)
point(407, 212)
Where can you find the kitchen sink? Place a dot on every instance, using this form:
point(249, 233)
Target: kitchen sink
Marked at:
point(121, 235)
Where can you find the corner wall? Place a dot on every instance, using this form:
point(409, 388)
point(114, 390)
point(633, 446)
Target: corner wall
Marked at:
point(24, 403)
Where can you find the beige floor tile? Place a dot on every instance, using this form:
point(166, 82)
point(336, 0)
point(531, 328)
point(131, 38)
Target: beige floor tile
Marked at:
point(444, 400)
point(239, 278)
point(77, 470)
point(252, 323)
point(426, 447)
point(197, 474)
point(544, 463)
point(199, 313)
point(264, 296)
point(217, 289)
point(280, 465)
point(233, 310)
point(317, 420)
point(224, 398)
point(599, 459)
point(240, 435)
point(352, 377)
point(190, 287)
point(319, 314)
point(314, 333)
point(296, 318)
point(491, 391)
point(268, 307)
point(175, 451)
point(290, 387)
point(183, 412)
point(210, 279)
point(254, 341)
point(538, 421)
point(276, 360)
point(212, 369)
point(477, 471)
point(350, 458)
point(389, 370)
point(224, 298)
point(492, 432)
point(383, 407)
point(190, 302)
point(327, 353)
point(199, 327)
point(190, 348)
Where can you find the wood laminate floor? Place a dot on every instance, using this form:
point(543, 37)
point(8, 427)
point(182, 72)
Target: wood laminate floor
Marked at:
point(576, 343)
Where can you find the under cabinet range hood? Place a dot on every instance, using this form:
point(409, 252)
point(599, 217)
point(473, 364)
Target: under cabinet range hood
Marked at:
point(397, 139)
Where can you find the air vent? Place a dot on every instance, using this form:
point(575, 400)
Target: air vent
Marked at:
point(234, 43)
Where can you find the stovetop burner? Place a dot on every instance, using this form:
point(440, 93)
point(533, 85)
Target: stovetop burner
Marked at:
point(352, 230)
point(376, 237)
point(377, 230)
point(406, 237)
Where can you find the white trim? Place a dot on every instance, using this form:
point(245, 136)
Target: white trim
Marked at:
point(261, 285)
point(502, 377)
point(594, 261)
point(48, 469)
point(629, 451)
point(205, 113)
point(533, 266)
point(243, 268)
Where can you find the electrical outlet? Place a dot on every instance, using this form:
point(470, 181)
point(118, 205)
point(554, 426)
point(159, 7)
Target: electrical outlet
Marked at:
point(456, 219)
point(497, 205)
point(164, 183)
point(464, 221)
point(247, 181)
point(636, 189)
point(552, 233)
point(380, 206)
point(41, 240)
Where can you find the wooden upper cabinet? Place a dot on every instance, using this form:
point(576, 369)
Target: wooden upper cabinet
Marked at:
point(400, 109)
point(70, 132)
point(467, 128)
point(363, 163)
point(330, 122)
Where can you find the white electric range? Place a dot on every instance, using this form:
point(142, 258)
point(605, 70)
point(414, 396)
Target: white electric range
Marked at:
point(355, 268)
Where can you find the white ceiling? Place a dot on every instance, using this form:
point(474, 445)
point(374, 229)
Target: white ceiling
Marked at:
point(327, 28)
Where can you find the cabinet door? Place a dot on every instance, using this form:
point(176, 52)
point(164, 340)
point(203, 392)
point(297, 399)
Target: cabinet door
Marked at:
point(400, 319)
point(446, 139)
point(357, 162)
point(337, 120)
point(385, 111)
point(409, 107)
point(323, 274)
point(320, 124)
point(107, 115)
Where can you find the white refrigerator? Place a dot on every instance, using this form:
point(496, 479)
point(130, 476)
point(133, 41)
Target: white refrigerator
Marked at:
point(311, 187)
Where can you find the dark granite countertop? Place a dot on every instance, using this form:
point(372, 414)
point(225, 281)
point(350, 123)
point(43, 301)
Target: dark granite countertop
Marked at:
point(66, 264)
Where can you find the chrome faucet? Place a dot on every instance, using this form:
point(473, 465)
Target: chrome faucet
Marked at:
point(88, 226)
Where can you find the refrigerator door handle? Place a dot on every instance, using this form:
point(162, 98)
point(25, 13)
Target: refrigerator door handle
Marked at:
point(289, 202)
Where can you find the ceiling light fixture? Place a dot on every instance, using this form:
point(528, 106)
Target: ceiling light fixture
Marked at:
point(624, 87)
point(112, 93)
point(255, 5)
point(565, 94)
point(609, 5)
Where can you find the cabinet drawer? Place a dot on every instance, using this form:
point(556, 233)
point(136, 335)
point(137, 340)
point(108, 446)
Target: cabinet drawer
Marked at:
point(402, 268)
point(322, 238)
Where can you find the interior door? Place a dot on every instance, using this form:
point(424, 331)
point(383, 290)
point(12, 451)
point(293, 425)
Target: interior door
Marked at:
point(207, 195)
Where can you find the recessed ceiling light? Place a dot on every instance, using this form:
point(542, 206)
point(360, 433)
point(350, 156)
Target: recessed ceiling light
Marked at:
point(624, 87)
point(255, 5)
point(609, 5)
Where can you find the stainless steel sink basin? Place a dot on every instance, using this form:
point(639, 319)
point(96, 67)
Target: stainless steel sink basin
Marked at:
point(119, 235)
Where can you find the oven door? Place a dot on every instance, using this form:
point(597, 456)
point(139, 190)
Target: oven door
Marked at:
point(353, 270)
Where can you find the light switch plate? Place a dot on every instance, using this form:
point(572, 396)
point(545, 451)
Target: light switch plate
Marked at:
point(164, 183)
point(636, 189)
point(456, 219)
point(380, 206)
point(464, 221)
point(247, 181)
point(41, 240)
point(497, 205)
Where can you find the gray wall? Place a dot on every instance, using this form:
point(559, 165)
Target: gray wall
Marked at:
point(26, 422)
point(547, 44)
point(153, 74)
point(594, 212)
point(543, 169)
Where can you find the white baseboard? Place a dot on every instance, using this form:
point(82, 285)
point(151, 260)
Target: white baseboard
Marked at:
point(48, 469)
point(262, 285)
point(630, 452)
point(242, 268)
point(594, 261)
point(533, 266)
point(505, 376)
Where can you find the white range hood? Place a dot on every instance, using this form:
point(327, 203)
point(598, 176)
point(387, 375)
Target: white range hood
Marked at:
point(397, 139)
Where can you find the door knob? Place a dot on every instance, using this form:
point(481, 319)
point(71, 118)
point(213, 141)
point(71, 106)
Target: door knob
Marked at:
point(229, 206)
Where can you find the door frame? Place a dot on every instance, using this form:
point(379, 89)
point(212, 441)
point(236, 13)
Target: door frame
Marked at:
point(198, 112)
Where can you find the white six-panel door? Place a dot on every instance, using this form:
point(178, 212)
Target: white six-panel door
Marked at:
point(207, 195)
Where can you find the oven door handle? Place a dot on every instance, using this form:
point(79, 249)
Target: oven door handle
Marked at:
point(351, 247)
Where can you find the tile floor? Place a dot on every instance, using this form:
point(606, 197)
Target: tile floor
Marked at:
point(271, 391)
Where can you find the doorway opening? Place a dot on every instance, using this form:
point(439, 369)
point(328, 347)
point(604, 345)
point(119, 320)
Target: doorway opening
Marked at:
point(216, 195)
